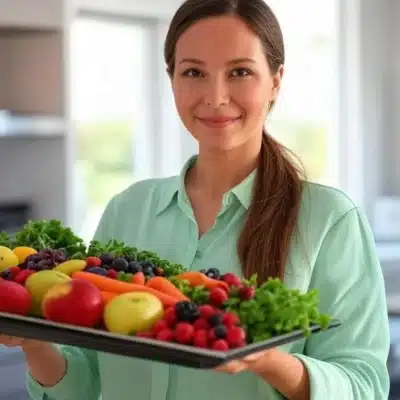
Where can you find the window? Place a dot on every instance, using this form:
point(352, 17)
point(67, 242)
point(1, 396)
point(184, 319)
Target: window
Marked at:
point(110, 110)
point(304, 118)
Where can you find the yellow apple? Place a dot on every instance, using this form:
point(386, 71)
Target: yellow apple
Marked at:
point(132, 312)
point(7, 258)
point(39, 283)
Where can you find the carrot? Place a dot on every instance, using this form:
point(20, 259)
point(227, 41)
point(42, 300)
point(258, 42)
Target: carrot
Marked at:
point(115, 286)
point(196, 278)
point(139, 278)
point(107, 296)
point(164, 285)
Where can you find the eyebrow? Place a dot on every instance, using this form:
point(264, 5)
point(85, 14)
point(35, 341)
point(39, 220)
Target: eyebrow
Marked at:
point(231, 62)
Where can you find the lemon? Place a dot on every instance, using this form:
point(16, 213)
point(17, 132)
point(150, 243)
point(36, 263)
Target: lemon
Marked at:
point(22, 252)
point(7, 258)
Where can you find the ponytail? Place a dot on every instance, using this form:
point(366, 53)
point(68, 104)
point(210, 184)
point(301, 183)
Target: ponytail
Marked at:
point(264, 242)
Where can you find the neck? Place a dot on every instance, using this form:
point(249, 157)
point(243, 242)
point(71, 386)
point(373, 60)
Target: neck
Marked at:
point(216, 173)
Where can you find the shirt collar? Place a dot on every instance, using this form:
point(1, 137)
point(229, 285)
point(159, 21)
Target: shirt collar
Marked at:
point(176, 190)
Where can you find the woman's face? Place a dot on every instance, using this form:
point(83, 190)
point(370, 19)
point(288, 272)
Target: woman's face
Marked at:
point(222, 83)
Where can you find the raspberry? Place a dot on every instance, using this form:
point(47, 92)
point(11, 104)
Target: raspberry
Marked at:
point(170, 317)
point(232, 279)
point(166, 335)
point(93, 262)
point(246, 293)
point(201, 324)
point(236, 337)
point(218, 296)
point(184, 332)
point(220, 345)
point(112, 273)
point(206, 311)
point(200, 338)
point(230, 319)
point(159, 326)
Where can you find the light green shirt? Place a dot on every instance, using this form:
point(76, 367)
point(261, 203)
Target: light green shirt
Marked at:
point(336, 256)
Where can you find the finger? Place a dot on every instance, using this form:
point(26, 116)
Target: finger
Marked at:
point(10, 341)
point(232, 367)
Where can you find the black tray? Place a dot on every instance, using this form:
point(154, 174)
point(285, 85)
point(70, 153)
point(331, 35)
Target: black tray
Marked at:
point(172, 353)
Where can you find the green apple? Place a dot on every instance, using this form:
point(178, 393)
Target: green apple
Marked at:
point(132, 312)
point(39, 283)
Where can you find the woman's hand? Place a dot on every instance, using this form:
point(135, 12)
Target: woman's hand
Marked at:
point(25, 344)
point(257, 363)
point(286, 373)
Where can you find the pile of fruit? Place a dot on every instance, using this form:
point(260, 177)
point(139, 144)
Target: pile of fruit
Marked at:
point(47, 272)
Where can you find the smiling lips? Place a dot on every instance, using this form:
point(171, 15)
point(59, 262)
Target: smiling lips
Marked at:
point(218, 122)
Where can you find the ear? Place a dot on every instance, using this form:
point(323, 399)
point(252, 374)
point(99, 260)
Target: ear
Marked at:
point(277, 81)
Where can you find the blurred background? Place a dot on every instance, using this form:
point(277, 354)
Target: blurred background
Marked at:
point(86, 109)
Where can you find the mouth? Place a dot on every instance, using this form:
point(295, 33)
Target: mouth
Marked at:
point(218, 122)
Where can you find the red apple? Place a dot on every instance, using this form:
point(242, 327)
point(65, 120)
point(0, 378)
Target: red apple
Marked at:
point(75, 302)
point(14, 298)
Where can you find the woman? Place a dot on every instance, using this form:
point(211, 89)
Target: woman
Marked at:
point(239, 205)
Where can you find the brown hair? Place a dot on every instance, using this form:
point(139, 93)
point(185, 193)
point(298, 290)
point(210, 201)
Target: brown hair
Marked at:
point(263, 245)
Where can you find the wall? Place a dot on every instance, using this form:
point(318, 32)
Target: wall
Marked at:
point(34, 170)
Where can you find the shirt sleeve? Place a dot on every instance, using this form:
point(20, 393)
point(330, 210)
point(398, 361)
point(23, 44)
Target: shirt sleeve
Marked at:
point(82, 378)
point(349, 361)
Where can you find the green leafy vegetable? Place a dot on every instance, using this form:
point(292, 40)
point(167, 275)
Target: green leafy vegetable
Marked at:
point(275, 310)
point(51, 234)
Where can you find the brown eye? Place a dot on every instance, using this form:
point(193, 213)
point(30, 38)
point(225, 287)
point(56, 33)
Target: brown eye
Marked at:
point(241, 72)
point(192, 73)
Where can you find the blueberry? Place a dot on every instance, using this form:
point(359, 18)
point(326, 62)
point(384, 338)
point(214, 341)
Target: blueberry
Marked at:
point(120, 264)
point(7, 274)
point(220, 331)
point(107, 258)
point(215, 320)
point(134, 267)
point(97, 270)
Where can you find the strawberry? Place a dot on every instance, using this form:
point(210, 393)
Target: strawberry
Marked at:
point(159, 326)
point(201, 324)
point(218, 296)
point(184, 332)
point(246, 293)
point(23, 276)
point(170, 317)
point(148, 335)
point(206, 311)
point(93, 262)
point(220, 345)
point(166, 335)
point(230, 319)
point(211, 335)
point(232, 279)
point(112, 273)
point(236, 337)
point(200, 338)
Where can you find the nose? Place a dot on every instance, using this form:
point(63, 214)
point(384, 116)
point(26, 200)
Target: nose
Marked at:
point(216, 92)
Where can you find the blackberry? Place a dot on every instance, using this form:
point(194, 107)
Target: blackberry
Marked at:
point(187, 311)
point(213, 273)
point(107, 258)
point(220, 331)
point(120, 264)
point(134, 267)
point(215, 320)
